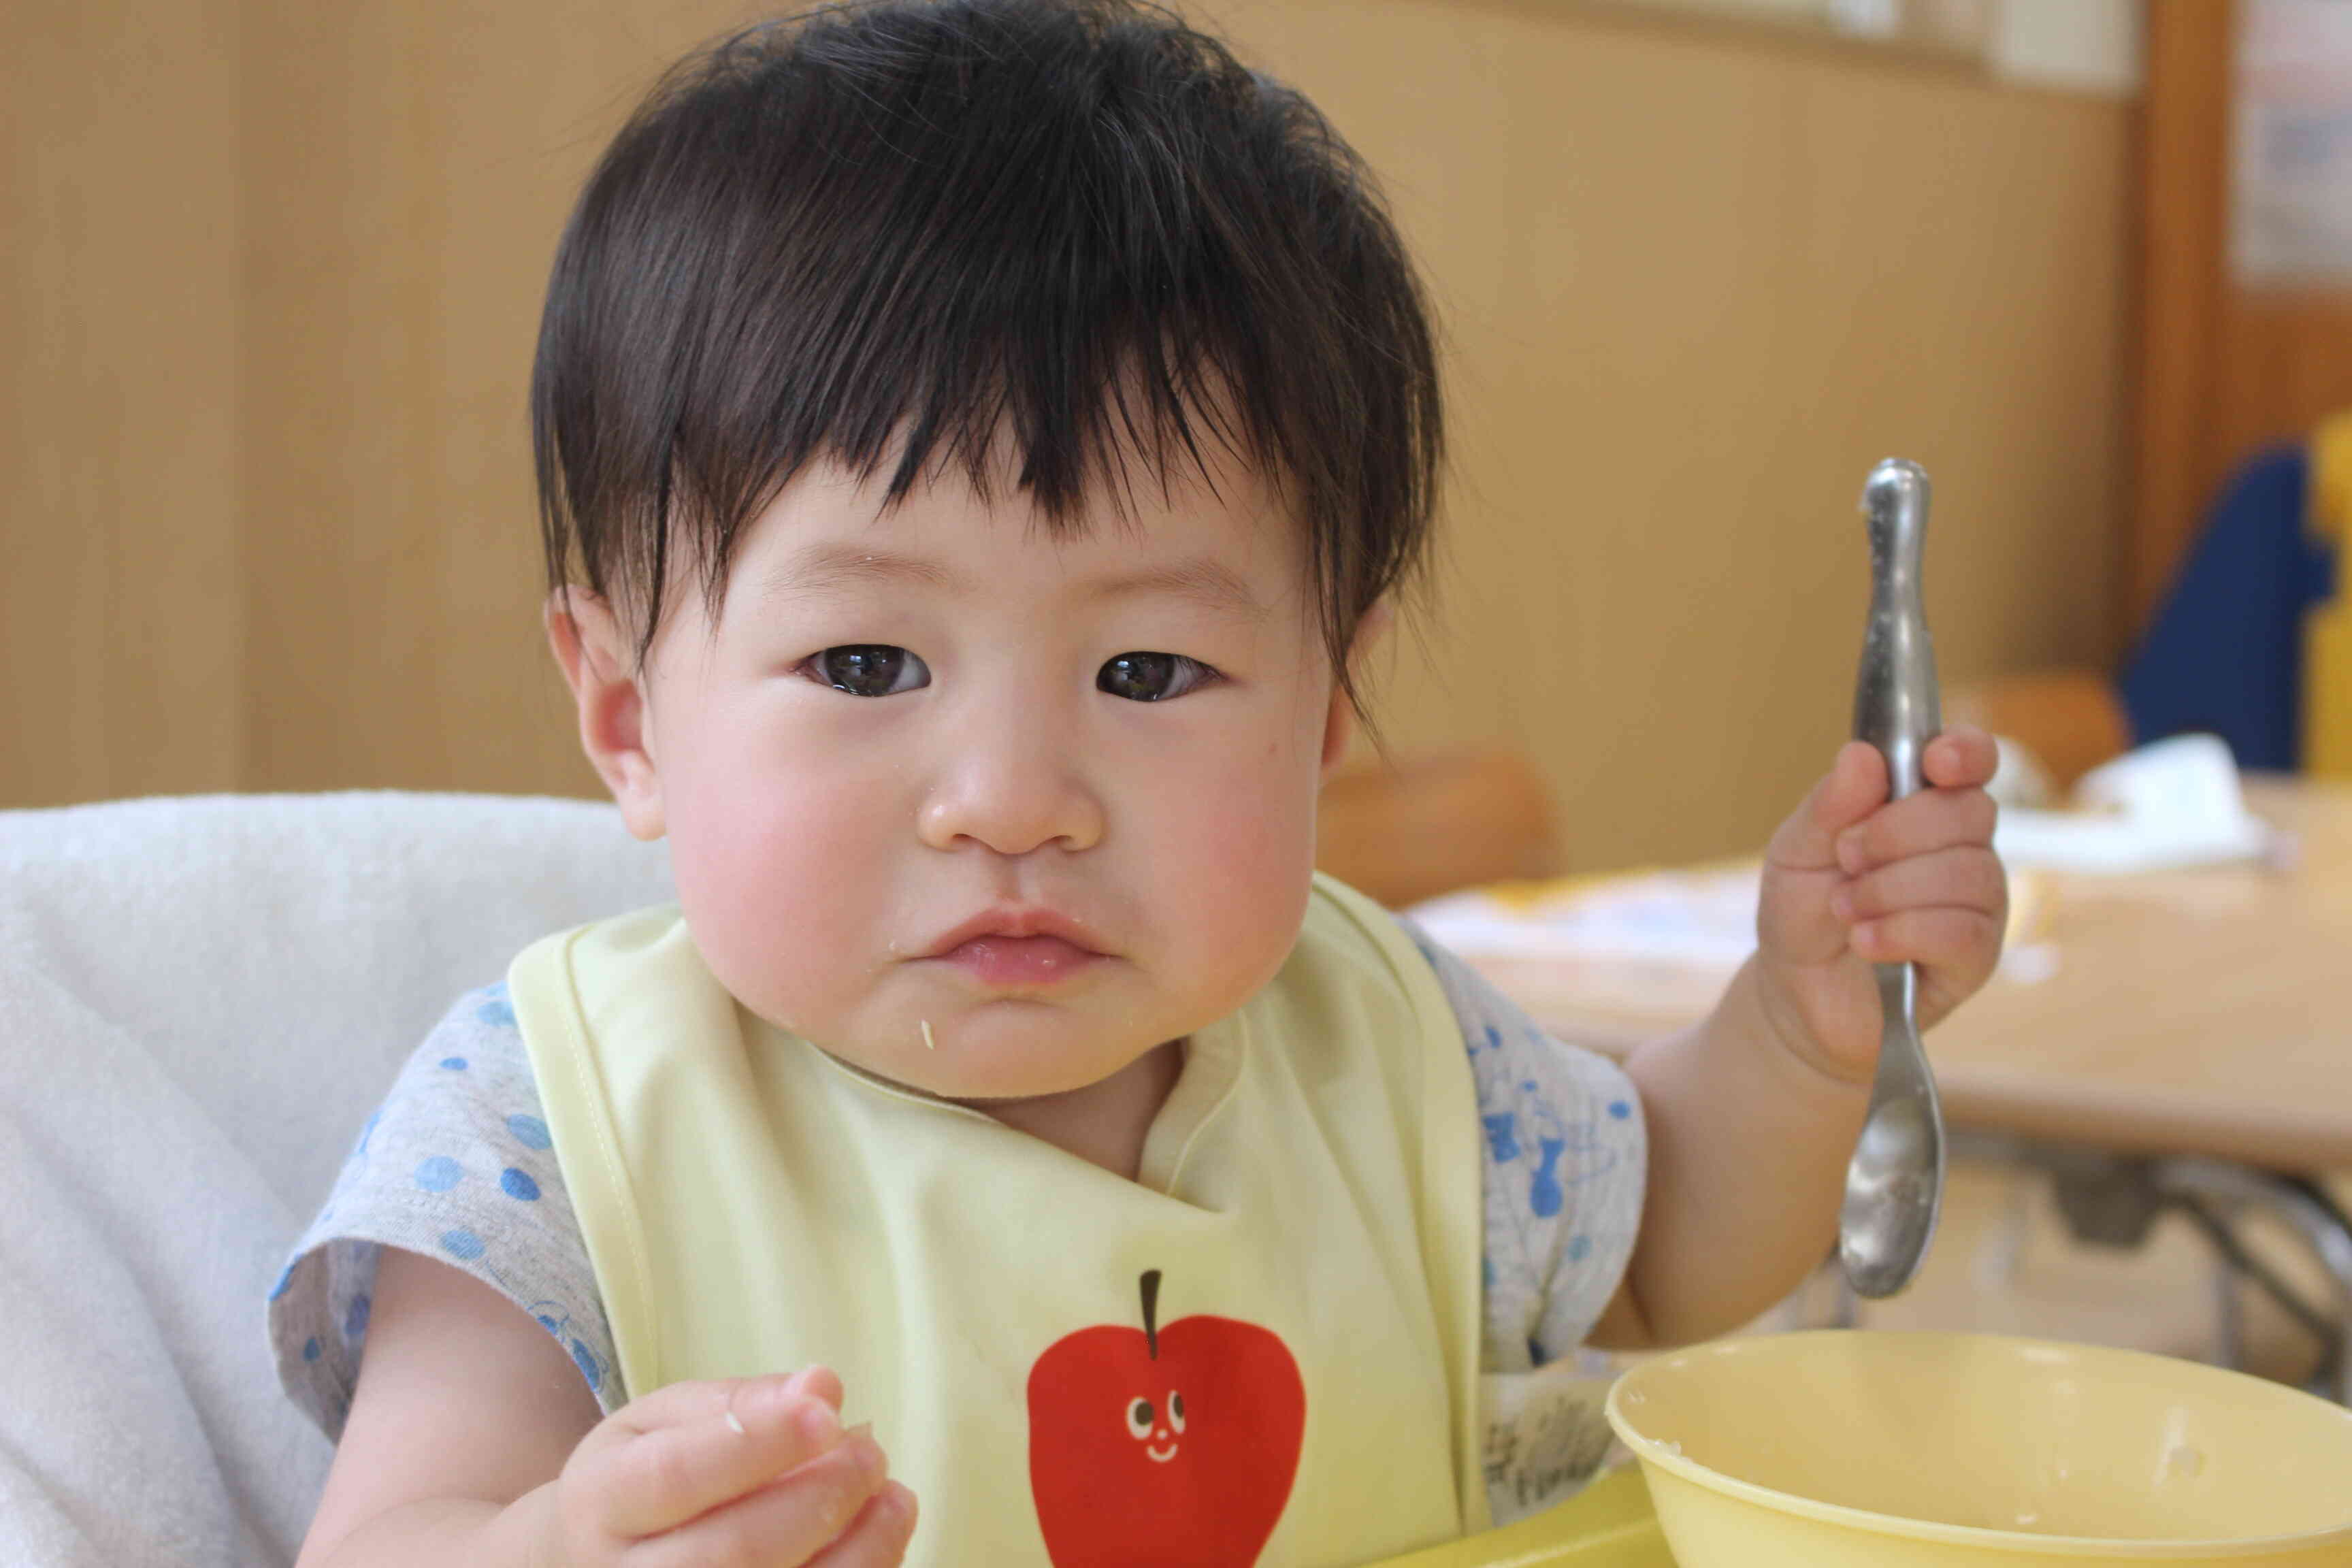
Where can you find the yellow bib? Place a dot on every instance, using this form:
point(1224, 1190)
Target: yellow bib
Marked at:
point(1265, 1350)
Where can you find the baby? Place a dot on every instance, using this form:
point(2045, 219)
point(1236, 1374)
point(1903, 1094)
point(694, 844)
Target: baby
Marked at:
point(980, 444)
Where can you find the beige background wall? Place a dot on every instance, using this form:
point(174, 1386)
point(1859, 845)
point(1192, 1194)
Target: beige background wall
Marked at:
point(274, 272)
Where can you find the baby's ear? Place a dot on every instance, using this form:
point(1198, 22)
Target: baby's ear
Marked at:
point(594, 649)
point(1340, 723)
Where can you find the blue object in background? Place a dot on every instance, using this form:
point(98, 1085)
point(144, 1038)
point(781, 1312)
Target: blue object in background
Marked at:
point(2224, 653)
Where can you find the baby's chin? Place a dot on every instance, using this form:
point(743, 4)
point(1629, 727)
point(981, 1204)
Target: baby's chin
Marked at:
point(974, 1069)
point(1013, 1047)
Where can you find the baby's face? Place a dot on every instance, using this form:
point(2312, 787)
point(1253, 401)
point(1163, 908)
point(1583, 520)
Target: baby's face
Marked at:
point(1063, 811)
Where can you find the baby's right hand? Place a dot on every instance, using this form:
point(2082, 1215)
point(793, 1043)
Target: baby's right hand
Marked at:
point(670, 1480)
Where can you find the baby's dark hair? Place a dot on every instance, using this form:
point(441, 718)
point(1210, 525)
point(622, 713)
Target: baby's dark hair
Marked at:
point(946, 214)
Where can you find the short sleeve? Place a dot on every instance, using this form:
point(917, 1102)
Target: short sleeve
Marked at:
point(456, 1165)
point(1565, 1161)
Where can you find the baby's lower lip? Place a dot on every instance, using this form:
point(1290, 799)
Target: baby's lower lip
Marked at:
point(1020, 961)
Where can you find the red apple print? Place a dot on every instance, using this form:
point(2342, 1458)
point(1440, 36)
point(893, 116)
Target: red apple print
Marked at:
point(1170, 1448)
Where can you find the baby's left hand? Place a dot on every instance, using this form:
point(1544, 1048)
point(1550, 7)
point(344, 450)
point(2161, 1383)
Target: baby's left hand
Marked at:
point(1851, 879)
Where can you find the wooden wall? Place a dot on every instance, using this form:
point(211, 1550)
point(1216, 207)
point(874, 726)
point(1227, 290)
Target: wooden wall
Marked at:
point(276, 270)
point(121, 596)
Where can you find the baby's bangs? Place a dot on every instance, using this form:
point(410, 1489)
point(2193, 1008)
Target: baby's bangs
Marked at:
point(1071, 433)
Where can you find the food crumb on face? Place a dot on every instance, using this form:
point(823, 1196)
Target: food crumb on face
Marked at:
point(929, 1042)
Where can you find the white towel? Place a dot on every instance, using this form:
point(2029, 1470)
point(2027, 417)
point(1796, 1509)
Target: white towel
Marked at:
point(200, 998)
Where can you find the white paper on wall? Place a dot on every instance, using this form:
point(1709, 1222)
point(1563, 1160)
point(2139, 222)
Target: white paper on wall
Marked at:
point(2291, 154)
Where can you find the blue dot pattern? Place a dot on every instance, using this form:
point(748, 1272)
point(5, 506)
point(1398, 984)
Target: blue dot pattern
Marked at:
point(558, 1322)
point(463, 1107)
point(439, 1174)
point(1565, 1161)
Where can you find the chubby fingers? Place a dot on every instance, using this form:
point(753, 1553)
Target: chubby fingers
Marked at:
point(1945, 818)
point(1962, 757)
point(1836, 827)
point(688, 1448)
point(1960, 944)
point(877, 1537)
point(1966, 876)
point(1855, 785)
point(1946, 908)
point(840, 1509)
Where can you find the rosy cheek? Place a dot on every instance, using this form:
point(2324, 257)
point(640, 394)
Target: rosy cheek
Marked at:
point(1233, 876)
point(779, 874)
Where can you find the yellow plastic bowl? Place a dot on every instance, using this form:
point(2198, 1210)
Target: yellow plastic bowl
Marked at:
point(1861, 1450)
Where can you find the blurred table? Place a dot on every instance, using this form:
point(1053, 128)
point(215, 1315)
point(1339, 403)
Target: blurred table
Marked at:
point(2192, 1049)
point(2201, 1011)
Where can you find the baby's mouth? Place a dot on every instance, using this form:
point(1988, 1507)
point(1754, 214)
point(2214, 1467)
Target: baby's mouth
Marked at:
point(1020, 963)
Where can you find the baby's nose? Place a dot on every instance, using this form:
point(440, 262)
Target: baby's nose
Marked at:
point(1014, 792)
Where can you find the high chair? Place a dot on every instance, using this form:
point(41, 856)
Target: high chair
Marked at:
point(201, 998)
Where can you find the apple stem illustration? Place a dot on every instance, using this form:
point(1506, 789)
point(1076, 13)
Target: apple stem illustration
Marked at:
point(1151, 1311)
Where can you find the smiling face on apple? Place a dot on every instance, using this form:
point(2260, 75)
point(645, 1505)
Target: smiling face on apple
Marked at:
point(1152, 1425)
point(1170, 1448)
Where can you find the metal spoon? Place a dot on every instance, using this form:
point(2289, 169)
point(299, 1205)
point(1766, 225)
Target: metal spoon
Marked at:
point(1894, 1185)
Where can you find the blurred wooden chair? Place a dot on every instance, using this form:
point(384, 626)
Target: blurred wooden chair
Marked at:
point(2071, 719)
point(1410, 830)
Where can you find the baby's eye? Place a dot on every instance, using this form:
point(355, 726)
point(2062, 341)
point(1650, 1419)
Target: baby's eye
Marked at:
point(870, 669)
point(1151, 677)
point(1139, 1417)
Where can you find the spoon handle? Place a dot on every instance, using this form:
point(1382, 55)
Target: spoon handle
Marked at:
point(1895, 706)
point(1895, 702)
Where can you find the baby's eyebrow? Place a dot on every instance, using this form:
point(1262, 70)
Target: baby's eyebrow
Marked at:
point(1209, 583)
point(820, 568)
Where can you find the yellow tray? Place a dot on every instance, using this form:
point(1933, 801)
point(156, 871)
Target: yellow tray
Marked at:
point(1609, 1525)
